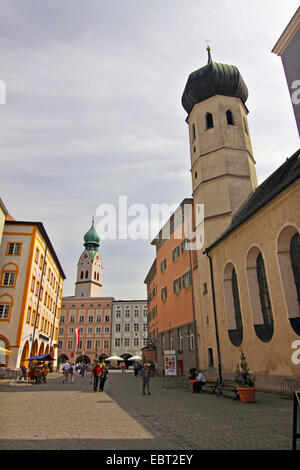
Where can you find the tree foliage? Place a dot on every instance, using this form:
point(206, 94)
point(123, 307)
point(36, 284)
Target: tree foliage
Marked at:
point(242, 373)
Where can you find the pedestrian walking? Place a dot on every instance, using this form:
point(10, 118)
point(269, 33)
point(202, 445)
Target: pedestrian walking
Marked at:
point(45, 372)
point(145, 374)
point(72, 372)
point(23, 373)
point(66, 371)
point(136, 368)
point(82, 369)
point(103, 377)
point(95, 376)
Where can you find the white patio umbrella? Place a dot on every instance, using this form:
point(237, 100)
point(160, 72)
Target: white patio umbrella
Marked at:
point(135, 358)
point(114, 358)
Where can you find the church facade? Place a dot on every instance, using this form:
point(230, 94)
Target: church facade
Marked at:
point(255, 267)
point(246, 276)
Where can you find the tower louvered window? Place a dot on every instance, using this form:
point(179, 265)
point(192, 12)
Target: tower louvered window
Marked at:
point(229, 117)
point(209, 121)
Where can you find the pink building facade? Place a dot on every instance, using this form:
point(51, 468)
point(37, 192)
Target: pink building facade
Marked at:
point(93, 317)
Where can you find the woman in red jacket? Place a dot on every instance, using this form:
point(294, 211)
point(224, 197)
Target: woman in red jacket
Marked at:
point(96, 373)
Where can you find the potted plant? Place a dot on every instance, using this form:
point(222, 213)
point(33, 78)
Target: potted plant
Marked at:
point(152, 368)
point(245, 381)
point(192, 376)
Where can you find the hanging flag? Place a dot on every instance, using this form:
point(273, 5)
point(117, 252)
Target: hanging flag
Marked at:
point(77, 333)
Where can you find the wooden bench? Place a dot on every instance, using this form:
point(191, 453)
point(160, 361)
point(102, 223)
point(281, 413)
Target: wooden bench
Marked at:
point(228, 386)
point(211, 383)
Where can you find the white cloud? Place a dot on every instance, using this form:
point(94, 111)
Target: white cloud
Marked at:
point(94, 109)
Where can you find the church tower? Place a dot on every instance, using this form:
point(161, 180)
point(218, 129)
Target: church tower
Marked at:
point(222, 163)
point(89, 270)
point(222, 169)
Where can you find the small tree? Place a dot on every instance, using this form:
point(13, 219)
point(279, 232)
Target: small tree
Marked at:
point(242, 374)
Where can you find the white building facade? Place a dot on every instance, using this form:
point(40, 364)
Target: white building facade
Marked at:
point(129, 328)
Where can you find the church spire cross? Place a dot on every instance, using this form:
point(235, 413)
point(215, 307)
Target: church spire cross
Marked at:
point(208, 50)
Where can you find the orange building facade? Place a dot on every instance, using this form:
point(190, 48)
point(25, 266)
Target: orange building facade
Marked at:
point(171, 316)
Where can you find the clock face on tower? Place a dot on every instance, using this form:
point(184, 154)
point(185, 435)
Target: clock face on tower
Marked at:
point(85, 255)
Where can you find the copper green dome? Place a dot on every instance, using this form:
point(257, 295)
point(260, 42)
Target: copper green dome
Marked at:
point(91, 239)
point(213, 79)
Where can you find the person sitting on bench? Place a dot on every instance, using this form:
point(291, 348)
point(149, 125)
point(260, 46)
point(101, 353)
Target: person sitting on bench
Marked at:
point(199, 381)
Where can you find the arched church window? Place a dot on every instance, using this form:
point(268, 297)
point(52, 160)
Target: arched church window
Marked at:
point(86, 274)
point(289, 264)
point(209, 121)
point(81, 275)
point(98, 277)
point(229, 117)
point(233, 307)
point(259, 295)
point(295, 260)
point(264, 291)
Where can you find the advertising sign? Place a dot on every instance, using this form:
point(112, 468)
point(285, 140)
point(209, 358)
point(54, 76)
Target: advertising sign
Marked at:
point(170, 363)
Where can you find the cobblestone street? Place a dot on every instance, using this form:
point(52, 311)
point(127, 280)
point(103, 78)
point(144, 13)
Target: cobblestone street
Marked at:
point(70, 416)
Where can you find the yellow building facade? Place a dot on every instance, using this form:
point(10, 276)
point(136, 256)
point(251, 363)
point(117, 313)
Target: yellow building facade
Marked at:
point(31, 286)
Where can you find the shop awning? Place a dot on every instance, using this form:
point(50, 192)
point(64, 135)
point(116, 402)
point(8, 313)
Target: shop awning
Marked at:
point(45, 357)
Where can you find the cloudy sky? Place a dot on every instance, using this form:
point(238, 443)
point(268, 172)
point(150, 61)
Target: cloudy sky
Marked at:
point(93, 110)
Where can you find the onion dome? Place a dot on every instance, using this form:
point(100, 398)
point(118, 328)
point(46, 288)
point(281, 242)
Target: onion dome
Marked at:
point(91, 240)
point(213, 79)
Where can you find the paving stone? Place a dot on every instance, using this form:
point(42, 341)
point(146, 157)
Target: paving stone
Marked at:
point(70, 416)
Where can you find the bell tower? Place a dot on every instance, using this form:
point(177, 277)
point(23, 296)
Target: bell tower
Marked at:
point(222, 169)
point(222, 163)
point(89, 270)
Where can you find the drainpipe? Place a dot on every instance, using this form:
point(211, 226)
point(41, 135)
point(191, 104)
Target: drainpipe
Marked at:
point(215, 314)
point(193, 307)
point(193, 303)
